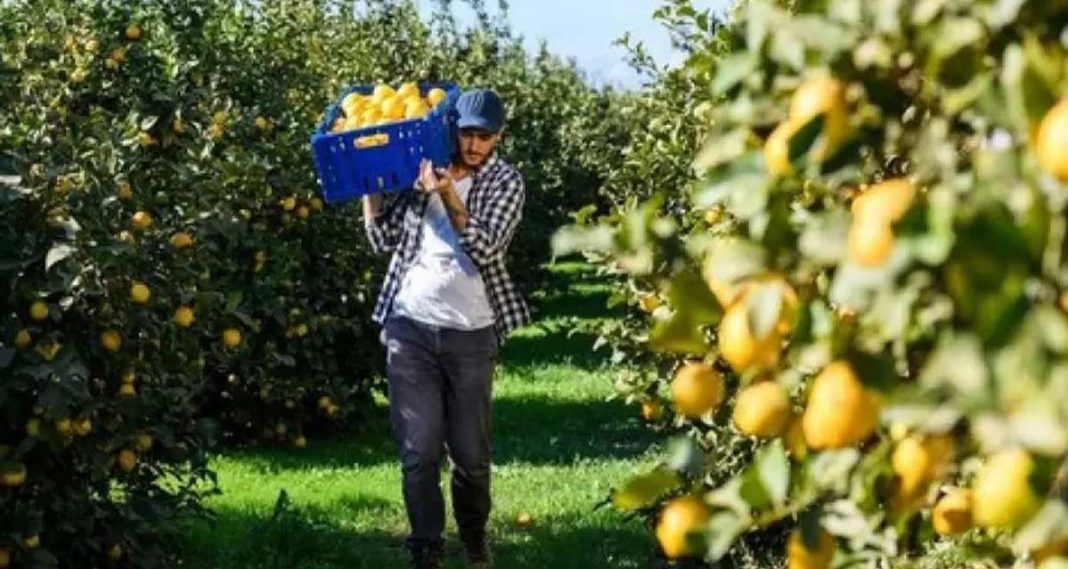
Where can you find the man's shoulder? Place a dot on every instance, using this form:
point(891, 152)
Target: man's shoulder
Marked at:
point(505, 166)
point(505, 173)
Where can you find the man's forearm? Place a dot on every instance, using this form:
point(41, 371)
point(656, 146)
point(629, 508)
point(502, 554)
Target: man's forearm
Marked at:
point(454, 206)
point(372, 206)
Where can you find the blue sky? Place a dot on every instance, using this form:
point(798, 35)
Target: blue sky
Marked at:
point(585, 30)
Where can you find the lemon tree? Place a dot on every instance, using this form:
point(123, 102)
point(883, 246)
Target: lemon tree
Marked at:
point(875, 225)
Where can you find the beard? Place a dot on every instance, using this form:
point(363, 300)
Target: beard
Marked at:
point(472, 160)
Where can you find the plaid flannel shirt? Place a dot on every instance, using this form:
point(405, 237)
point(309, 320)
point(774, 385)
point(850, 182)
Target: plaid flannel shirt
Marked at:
point(494, 205)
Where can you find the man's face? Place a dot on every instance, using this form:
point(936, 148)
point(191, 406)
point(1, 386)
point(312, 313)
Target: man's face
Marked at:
point(476, 146)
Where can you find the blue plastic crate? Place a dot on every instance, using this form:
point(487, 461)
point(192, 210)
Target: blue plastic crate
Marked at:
point(383, 158)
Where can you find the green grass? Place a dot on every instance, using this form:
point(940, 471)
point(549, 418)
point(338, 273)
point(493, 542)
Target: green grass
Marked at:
point(559, 445)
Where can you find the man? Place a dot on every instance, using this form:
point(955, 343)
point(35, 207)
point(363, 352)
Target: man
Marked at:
point(446, 306)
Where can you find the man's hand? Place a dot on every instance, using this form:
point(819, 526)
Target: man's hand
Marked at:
point(443, 183)
point(430, 182)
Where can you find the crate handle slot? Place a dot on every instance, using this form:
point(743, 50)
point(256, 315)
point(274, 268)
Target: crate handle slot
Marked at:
point(372, 140)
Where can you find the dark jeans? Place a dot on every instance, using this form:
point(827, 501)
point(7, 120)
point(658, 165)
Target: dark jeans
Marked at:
point(440, 388)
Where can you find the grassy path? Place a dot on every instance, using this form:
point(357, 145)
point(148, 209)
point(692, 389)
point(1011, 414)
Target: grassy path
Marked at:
point(558, 447)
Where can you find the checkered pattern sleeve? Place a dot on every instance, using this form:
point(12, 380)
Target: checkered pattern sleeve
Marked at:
point(384, 231)
point(487, 235)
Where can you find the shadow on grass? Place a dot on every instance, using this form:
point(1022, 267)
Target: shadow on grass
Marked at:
point(566, 322)
point(533, 430)
point(294, 537)
point(584, 295)
point(370, 447)
point(314, 538)
point(574, 541)
point(541, 431)
point(553, 343)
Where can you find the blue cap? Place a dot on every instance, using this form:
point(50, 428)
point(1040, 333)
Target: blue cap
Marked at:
point(481, 109)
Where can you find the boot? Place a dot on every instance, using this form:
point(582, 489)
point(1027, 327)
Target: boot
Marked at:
point(428, 556)
point(478, 553)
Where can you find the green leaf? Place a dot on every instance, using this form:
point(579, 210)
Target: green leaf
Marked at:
point(773, 227)
point(774, 469)
point(1049, 525)
point(956, 100)
point(55, 399)
point(721, 149)
point(233, 300)
point(645, 490)
point(1039, 425)
point(678, 333)
point(825, 237)
point(927, 231)
point(1012, 78)
point(1030, 88)
point(684, 456)
point(749, 196)
point(875, 371)
point(955, 34)
point(888, 20)
point(148, 122)
point(958, 363)
point(753, 490)
point(892, 313)
point(56, 254)
point(767, 480)
point(244, 318)
point(41, 559)
point(764, 304)
point(873, 52)
point(854, 287)
point(1001, 13)
point(688, 293)
point(987, 273)
point(732, 70)
point(1046, 61)
point(925, 11)
point(703, 22)
point(583, 215)
point(938, 419)
point(818, 34)
point(803, 139)
point(574, 238)
point(729, 497)
point(760, 20)
point(730, 260)
point(830, 470)
point(724, 528)
point(787, 49)
point(957, 53)
point(1053, 328)
point(37, 372)
point(845, 157)
point(846, 11)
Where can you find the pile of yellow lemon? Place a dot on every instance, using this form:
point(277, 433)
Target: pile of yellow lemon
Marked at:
point(385, 105)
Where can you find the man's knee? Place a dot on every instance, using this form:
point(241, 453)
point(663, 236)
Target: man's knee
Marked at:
point(471, 463)
point(422, 458)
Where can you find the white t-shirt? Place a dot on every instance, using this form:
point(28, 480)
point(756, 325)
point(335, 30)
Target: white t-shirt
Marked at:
point(443, 286)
